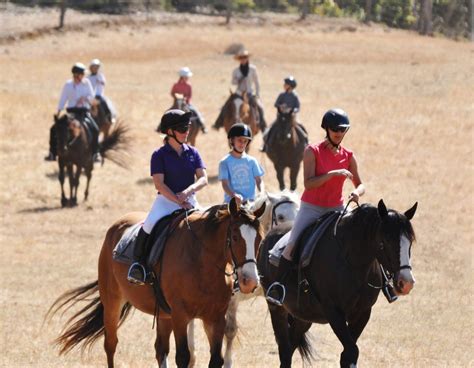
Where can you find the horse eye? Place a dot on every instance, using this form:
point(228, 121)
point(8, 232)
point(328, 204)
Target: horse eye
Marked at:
point(281, 217)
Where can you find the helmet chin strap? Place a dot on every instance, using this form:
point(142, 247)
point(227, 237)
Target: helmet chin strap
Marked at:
point(336, 146)
point(176, 139)
point(233, 149)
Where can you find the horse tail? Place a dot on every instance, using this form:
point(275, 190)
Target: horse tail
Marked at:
point(116, 144)
point(87, 325)
point(305, 349)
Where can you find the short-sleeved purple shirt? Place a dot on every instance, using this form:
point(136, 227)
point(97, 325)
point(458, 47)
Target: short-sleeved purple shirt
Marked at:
point(179, 171)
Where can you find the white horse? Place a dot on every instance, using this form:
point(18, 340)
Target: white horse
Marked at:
point(280, 208)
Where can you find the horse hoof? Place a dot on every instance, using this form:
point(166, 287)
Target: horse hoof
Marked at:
point(63, 202)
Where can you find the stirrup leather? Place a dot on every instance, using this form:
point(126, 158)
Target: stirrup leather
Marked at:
point(132, 279)
point(272, 299)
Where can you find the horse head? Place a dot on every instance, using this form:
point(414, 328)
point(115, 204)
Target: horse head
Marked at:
point(243, 238)
point(394, 240)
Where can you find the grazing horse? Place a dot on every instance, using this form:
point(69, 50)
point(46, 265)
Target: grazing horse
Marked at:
point(280, 208)
point(75, 152)
point(180, 103)
point(101, 117)
point(249, 113)
point(285, 147)
point(343, 279)
point(192, 277)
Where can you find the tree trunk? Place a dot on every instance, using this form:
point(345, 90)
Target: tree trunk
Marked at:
point(62, 14)
point(368, 11)
point(426, 18)
point(304, 9)
point(228, 13)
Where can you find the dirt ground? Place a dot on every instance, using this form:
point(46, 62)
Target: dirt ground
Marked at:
point(410, 102)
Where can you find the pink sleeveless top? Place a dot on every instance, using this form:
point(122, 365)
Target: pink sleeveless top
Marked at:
point(330, 193)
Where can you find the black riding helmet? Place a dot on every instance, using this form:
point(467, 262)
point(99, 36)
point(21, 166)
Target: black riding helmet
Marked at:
point(240, 130)
point(78, 68)
point(173, 119)
point(291, 81)
point(334, 119)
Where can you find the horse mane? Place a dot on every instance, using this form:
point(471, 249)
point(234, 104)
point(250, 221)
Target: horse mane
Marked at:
point(215, 215)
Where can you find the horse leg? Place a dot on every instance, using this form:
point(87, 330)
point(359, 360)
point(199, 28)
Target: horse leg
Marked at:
point(280, 171)
point(162, 342)
point(215, 334)
point(357, 326)
point(279, 318)
point(88, 171)
point(70, 174)
point(337, 321)
point(180, 324)
point(298, 329)
point(191, 346)
point(76, 184)
point(294, 170)
point(230, 330)
point(61, 181)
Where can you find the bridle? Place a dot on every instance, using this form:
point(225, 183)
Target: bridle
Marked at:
point(274, 216)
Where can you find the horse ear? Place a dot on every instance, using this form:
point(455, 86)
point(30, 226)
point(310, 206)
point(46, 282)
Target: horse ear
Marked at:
point(233, 207)
point(56, 118)
point(271, 197)
point(259, 212)
point(411, 212)
point(382, 209)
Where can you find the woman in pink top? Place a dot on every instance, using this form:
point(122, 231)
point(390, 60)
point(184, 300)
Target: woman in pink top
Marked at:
point(327, 165)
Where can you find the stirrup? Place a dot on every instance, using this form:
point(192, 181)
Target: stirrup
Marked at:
point(132, 279)
point(272, 299)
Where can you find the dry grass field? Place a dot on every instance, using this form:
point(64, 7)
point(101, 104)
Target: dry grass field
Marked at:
point(410, 100)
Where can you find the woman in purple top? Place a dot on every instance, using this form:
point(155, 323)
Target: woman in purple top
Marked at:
point(178, 173)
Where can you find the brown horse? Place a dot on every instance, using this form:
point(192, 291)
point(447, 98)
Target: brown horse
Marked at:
point(286, 142)
point(181, 104)
point(75, 153)
point(101, 118)
point(193, 280)
point(249, 113)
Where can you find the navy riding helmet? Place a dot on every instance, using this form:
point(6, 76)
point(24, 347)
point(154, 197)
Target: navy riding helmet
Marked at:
point(240, 130)
point(335, 119)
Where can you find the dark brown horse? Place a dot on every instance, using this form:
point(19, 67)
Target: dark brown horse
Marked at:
point(75, 153)
point(193, 281)
point(249, 113)
point(286, 142)
point(343, 279)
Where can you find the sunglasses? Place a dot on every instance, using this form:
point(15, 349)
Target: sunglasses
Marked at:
point(339, 129)
point(182, 128)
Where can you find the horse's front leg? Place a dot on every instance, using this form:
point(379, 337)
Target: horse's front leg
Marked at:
point(214, 329)
point(76, 184)
point(230, 329)
point(338, 323)
point(294, 170)
point(61, 181)
point(279, 171)
point(88, 171)
point(70, 175)
point(356, 326)
point(180, 321)
point(279, 318)
point(162, 342)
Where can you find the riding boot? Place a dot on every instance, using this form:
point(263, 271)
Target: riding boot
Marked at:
point(262, 123)
point(137, 272)
point(277, 291)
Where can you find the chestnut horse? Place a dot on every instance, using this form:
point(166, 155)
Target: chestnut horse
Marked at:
point(193, 278)
point(102, 119)
point(181, 104)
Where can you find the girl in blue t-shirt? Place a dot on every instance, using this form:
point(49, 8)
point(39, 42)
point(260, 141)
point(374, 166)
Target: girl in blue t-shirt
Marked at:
point(178, 173)
point(239, 172)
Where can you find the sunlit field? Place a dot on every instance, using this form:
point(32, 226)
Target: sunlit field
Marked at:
point(410, 101)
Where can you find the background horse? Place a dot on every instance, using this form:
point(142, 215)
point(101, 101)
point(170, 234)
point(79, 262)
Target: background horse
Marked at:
point(285, 147)
point(180, 103)
point(248, 113)
point(101, 117)
point(193, 281)
point(339, 281)
point(75, 153)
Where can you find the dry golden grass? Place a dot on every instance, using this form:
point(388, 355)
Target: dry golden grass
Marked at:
point(411, 104)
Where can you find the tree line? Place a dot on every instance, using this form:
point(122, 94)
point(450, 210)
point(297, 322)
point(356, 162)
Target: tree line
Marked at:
point(452, 18)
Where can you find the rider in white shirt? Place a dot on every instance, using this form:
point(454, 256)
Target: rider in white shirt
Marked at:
point(77, 94)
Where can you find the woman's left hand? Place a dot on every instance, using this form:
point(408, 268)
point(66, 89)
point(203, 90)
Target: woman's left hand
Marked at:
point(182, 196)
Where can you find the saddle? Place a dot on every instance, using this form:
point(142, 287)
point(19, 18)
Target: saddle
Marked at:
point(307, 242)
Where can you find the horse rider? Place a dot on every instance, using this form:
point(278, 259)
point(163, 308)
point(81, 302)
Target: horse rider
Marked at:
point(286, 103)
point(327, 165)
point(245, 77)
point(183, 87)
point(97, 79)
point(178, 173)
point(78, 94)
point(240, 174)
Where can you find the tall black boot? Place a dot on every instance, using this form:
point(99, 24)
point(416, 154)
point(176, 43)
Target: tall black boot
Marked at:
point(137, 271)
point(277, 291)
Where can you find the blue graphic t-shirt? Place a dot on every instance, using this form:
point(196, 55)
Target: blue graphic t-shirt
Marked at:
point(240, 173)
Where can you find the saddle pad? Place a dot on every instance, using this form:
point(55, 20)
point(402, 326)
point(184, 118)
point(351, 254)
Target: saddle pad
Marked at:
point(123, 251)
point(306, 243)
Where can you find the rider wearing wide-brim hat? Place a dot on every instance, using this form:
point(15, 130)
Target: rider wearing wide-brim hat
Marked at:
point(184, 87)
point(239, 173)
point(327, 165)
point(178, 173)
point(77, 95)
